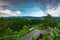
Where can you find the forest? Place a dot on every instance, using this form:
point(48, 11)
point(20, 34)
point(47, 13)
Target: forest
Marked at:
point(20, 27)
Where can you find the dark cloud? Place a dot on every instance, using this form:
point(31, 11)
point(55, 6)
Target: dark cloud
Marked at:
point(3, 3)
point(42, 4)
point(47, 4)
point(15, 3)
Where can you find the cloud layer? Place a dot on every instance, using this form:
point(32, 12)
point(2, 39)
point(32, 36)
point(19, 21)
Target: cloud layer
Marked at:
point(52, 7)
point(44, 5)
point(6, 13)
point(4, 3)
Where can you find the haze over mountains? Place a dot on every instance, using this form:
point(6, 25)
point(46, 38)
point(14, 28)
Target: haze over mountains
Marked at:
point(31, 17)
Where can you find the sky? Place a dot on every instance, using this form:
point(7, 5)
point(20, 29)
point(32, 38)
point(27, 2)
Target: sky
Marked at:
point(36, 8)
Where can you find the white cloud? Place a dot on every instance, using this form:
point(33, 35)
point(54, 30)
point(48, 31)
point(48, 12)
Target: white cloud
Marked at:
point(55, 13)
point(6, 13)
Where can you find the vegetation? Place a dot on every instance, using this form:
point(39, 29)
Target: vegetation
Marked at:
point(55, 35)
point(20, 26)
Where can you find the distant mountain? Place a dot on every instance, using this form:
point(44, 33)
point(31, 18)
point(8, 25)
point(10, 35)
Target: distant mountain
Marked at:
point(56, 18)
point(30, 17)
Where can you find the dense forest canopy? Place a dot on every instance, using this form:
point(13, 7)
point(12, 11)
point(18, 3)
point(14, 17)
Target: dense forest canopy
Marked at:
point(18, 23)
point(11, 26)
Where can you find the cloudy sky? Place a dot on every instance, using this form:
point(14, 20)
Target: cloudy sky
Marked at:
point(36, 8)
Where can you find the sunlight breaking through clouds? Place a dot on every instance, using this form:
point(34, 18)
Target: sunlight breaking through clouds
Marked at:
point(55, 13)
point(9, 7)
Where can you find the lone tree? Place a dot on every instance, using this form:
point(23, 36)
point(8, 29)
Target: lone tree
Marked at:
point(49, 22)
